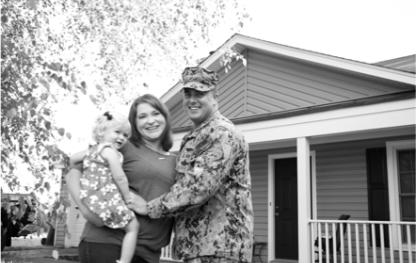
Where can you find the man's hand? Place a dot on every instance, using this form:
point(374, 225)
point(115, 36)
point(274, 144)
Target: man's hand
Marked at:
point(138, 204)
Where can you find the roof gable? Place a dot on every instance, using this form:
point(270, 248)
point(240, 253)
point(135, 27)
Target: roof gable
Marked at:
point(241, 42)
point(273, 84)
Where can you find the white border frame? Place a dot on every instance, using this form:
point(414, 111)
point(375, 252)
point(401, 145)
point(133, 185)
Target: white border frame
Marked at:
point(271, 239)
point(393, 183)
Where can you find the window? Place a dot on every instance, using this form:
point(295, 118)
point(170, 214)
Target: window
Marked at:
point(401, 178)
point(406, 174)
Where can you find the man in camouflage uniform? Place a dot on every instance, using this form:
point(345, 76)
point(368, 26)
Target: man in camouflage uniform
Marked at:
point(211, 198)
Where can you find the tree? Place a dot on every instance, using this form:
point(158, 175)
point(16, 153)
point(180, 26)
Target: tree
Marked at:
point(56, 50)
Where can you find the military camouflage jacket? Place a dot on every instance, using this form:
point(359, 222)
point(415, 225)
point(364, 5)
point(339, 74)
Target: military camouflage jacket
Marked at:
point(211, 198)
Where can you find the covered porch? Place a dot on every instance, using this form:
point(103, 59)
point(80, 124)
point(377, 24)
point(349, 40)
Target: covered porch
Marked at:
point(331, 152)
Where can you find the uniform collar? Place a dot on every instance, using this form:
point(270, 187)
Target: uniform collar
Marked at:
point(195, 131)
point(205, 123)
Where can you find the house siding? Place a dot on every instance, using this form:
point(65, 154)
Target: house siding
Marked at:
point(69, 228)
point(341, 163)
point(75, 222)
point(231, 95)
point(346, 163)
point(295, 84)
point(260, 187)
point(178, 117)
point(60, 236)
point(259, 181)
point(60, 225)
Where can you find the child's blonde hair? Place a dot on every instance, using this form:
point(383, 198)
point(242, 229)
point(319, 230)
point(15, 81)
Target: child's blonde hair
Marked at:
point(107, 120)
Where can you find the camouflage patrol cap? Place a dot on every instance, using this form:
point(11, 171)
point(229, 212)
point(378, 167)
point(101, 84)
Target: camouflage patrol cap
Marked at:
point(199, 78)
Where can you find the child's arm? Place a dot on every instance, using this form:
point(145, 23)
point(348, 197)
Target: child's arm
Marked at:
point(112, 157)
point(77, 158)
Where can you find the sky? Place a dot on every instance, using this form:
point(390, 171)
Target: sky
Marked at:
point(362, 30)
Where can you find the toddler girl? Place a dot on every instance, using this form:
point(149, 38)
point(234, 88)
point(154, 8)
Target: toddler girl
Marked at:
point(104, 186)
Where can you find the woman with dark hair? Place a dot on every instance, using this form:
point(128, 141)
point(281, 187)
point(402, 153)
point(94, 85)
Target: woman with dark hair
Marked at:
point(150, 171)
point(137, 136)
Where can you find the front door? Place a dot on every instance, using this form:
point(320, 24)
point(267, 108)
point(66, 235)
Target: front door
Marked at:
point(286, 210)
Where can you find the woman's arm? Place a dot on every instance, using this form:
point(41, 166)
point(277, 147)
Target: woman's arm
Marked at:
point(72, 181)
point(112, 157)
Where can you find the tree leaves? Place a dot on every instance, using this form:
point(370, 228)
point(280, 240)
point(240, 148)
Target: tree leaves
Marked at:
point(32, 4)
point(61, 131)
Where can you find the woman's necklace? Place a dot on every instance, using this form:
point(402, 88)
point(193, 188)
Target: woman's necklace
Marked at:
point(158, 151)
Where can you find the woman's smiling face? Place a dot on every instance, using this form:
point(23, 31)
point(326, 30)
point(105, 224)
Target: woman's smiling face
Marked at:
point(150, 122)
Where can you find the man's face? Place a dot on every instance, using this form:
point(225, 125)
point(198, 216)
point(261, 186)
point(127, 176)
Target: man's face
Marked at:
point(198, 105)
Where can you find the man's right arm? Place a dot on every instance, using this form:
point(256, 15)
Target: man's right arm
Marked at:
point(72, 181)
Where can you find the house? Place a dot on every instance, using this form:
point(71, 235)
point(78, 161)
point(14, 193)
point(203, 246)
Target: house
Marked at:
point(328, 136)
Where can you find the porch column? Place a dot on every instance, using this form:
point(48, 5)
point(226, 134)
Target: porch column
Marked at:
point(304, 199)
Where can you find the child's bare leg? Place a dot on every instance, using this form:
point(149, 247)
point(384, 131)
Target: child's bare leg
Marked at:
point(129, 241)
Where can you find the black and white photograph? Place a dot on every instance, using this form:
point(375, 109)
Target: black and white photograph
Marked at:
point(216, 131)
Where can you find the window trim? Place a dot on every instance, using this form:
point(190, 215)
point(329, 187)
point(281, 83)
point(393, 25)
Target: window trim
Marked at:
point(393, 182)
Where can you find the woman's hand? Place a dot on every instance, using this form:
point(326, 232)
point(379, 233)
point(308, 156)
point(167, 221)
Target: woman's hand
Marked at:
point(90, 217)
point(138, 204)
point(72, 180)
point(77, 158)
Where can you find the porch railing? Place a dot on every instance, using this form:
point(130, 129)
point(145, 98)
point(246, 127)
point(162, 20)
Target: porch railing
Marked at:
point(363, 241)
point(166, 254)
